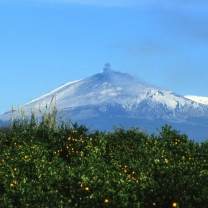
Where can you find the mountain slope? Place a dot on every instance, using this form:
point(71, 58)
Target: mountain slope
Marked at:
point(198, 99)
point(111, 98)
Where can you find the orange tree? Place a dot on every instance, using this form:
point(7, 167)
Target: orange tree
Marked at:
point(44, 165)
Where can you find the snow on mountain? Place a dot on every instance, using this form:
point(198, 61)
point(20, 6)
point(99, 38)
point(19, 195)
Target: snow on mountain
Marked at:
point(107, 88)
point(113, 98)
point(52, 92)
point(198, 99)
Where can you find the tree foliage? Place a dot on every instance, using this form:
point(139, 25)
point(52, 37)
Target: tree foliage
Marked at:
point(44, 165)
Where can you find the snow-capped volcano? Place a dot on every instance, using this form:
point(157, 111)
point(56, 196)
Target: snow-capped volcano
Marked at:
point(111, 87)
point(113, 98)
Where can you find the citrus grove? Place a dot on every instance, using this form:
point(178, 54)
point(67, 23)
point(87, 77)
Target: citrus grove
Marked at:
point(47, 165)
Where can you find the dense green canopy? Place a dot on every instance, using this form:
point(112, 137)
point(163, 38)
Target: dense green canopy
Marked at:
point(43, 165)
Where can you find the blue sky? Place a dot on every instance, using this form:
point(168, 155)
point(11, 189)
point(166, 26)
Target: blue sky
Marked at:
point(45, 43)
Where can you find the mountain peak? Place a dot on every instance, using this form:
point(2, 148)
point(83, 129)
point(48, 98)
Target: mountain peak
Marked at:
point(113, 75)
point(107, 68)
